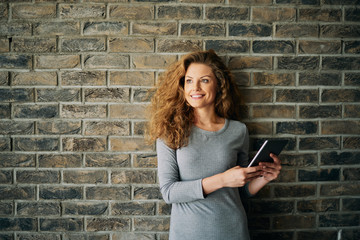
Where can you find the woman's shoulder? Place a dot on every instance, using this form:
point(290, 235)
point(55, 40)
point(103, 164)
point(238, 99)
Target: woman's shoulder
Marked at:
point(234, 124)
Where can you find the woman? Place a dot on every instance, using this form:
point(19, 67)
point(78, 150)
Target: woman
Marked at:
point(203, 150)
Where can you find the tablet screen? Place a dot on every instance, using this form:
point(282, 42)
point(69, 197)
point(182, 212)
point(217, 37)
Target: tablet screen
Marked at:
point(274, 146)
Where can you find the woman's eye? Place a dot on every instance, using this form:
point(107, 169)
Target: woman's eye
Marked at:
point(188, 81)
point(205, 80)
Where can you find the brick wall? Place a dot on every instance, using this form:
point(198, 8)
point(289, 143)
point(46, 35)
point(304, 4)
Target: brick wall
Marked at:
point(73, 81)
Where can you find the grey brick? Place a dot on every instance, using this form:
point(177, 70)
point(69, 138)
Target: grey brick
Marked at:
point(83, 78)
point(82, 11)
point(38, 236)
point(319, 175)
point(17, 193)
point(15, 29)
point(155, 28)
point(133, 208)
point(341, 63)
point(85, 176)
point(56, 28)
point(60, 160)
point(16, 95)
point(150, 224)
point(339, 220)
point(5, 111)
point(34, 79)
point(108, 193)
point(6, 208)
point(133, 176)
point(60, 192)
point(4, 78)
point(297, 221)
point(15, 61)
point(339, 31)
point(18, 224)
point(132, 45)
point(228, 46)
point(17, 160)
point(83, 111)
point(322, 205)
point(6, 177)
point(147, 193)
point(118, 128)
point(61, 224)
point(36, 111)
point(33, 11)
point(57, 127)
point(37, 177)
point(78, 144)
point(14, 127)
point(136, 12)
point(202, 29)
point(295, 191)
point(36, 144)
point(297, 128)
point(274, 46)
point(297, 95)
point(38, 45)
point(57, 61)
point(105, 28)
point(83, 45)
point(250, 30)
point(85, 208)
point(5, 144)
point(272, 206)
point(352, 79)
point(342, 158)
point(58, 95)
point(108, 224)
point(179, 12)
point(107, 61)
point(227, 13)
point(111, 160)
point(174, 45)
point(138, 78)
point(314, 143)
point(38, 209)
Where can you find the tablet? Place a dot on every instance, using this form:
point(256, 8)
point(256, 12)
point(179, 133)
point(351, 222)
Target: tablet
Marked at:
point(274, 146)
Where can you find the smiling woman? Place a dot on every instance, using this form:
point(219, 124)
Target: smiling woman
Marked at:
point(202, 150)
point(171, 114)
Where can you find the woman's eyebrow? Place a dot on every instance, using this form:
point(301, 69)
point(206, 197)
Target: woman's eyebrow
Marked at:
point(206, 76)
point(200, 77)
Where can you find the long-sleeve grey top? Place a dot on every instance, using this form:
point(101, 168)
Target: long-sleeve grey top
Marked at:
point(219, 215)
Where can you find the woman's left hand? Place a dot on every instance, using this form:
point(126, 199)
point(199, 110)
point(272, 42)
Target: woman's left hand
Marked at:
point(271, 170)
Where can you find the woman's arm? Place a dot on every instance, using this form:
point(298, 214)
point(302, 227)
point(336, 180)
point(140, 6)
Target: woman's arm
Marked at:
point(237, 176)
point(172, 188)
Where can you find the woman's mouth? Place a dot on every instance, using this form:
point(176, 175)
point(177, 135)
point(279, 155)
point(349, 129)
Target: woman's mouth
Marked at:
point(197, 96)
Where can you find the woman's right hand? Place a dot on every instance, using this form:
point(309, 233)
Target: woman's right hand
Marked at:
point(238, 176)
point(234, 177)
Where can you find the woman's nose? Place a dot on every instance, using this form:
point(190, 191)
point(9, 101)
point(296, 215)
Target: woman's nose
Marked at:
point(197, 86)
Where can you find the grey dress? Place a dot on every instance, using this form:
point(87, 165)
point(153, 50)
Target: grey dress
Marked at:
point(219, 215)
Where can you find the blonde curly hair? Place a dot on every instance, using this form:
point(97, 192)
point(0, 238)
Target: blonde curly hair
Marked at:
point(171, 118)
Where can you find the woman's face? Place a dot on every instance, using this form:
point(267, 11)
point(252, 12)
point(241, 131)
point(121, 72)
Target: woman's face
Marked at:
point(200, 86)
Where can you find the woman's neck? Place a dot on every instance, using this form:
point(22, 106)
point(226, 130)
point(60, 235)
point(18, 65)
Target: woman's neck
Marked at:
point(209, 121)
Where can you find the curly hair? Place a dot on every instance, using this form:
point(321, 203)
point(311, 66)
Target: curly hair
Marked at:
point(171, 118)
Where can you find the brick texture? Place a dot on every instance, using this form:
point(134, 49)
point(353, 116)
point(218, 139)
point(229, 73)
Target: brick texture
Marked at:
point(74, 76)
